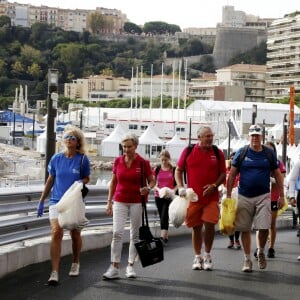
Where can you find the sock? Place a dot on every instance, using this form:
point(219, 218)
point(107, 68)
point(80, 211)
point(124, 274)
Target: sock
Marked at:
point(247, 256)
point(260, 250)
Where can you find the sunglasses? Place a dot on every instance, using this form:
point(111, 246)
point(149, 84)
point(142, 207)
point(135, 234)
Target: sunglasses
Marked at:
point(254, 130)
point(70, 137)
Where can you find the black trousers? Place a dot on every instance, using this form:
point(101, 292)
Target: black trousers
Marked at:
point(162, 205)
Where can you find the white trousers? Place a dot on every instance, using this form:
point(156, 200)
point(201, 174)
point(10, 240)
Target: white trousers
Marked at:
point(120, 215)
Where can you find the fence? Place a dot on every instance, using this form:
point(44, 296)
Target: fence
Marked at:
point(19, 222)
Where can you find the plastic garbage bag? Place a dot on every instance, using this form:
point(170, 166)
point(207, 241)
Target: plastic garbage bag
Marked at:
point(283, 208)
point(178, 207)
point(228, 211)
point(71, 208)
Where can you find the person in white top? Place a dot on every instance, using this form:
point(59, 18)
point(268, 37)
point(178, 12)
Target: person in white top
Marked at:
point(293, 191)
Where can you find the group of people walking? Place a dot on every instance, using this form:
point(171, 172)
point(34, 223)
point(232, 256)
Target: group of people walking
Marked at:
point(254, 171)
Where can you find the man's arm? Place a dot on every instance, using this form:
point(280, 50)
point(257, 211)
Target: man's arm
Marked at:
point(279, 181)
point(230, 180)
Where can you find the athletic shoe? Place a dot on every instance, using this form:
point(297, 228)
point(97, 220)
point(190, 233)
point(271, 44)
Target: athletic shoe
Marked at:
point(262, 263)
point(53, 279)
point(237, 245)
point(112, 273)
point(130, 273)
point(247, 267)
point(197, 264)
point(271, 253)
point(298, 258)
point(255, 253)
point(231, 244)
point(74, 271)
point(207, 265)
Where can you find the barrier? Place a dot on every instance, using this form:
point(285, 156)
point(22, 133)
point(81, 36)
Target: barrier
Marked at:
point(19, 222)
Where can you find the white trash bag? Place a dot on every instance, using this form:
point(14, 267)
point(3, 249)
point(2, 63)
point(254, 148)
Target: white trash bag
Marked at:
point(71, 208)
point(178, 207)
point(166, 192)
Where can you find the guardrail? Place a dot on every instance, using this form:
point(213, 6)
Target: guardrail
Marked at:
point(19, 222)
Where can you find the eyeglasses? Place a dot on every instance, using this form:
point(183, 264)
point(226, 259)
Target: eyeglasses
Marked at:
point(254, 130)
point(70, 137)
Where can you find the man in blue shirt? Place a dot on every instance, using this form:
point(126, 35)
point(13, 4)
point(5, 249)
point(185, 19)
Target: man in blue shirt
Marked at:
point(254, 203)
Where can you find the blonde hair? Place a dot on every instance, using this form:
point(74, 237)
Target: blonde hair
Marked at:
point(79, 136)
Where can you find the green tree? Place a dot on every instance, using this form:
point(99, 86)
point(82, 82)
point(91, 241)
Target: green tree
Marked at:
point(132, 28)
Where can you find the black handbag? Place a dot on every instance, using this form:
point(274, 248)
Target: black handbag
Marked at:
point(149, 248)
point(85, 189)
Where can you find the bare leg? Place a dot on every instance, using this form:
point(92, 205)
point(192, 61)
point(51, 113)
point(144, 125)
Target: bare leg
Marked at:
point(55, 246)
point(197, 239)
point(76, 245)
point(209, 234)
point(246, 241)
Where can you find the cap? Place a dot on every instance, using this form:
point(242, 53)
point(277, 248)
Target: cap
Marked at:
point(255, 129)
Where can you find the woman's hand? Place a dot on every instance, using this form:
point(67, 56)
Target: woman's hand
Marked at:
point(145, 190)
point(109, 209)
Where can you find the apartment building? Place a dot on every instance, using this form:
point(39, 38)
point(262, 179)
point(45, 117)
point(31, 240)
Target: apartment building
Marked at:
point(68, 19)
point(240, 82)
point(283, 57)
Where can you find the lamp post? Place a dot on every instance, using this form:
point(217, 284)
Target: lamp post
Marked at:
point(254, 113)
point(284, 146)
point(51, 114)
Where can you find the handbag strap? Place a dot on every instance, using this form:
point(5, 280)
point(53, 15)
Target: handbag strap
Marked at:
point(81, 162)
point(144, 213)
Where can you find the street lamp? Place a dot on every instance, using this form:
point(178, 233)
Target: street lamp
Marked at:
point(254, 113)
point(51, 114)
point(284, 145)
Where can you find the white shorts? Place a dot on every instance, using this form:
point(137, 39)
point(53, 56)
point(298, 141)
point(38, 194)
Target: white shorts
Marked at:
point(53, 214)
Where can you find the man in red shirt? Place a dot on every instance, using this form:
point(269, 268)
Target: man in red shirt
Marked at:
point(205, 172)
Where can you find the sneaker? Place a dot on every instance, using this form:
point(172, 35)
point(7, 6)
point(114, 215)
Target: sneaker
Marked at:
point(112, 273)
point(262, 263)
point(298, 258)
point(230, 246)
point(255, 253)
point(130, 273)
point(53, 279)
point(237, 245)
point(197, 264)
point(247, 267)
point(207, 265)
point(271, 253)
point(74, 271)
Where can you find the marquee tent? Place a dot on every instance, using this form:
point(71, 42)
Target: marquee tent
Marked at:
point(150, 144)
point(111, 145)
point(175, 147)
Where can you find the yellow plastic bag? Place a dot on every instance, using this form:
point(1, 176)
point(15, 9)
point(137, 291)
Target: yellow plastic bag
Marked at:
point(283, 208)
point(228, 210)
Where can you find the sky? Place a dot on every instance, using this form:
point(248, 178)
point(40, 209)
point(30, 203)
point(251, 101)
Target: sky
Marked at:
point(186, 13)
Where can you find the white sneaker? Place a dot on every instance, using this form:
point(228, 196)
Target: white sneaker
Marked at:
point(207, 265)
point(74, 271)
point(197, 263)
point(112, 273)
point(53, 279)
point(298, 258)
point(130, 273)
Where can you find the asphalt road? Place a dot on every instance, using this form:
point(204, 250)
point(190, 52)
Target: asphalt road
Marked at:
point(171, 279)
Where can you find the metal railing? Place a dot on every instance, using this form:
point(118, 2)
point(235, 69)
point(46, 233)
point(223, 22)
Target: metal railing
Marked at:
point(19, 222)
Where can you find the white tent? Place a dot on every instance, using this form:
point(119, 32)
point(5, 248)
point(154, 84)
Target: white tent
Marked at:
point(175, 147)
point(150, 144)
point(111, 145)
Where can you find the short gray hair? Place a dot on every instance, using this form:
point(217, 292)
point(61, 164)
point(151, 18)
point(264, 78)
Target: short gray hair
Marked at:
point(202, 129)
point(130, 136)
